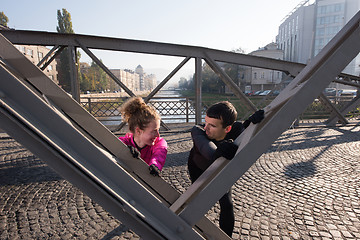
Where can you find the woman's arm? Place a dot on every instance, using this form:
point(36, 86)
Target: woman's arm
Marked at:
point(159, 152)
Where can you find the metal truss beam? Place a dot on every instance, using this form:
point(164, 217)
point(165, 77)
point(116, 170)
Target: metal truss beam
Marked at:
point(279, 115)
point(40, 115)
point(325, 100)
point(333, 119)
point(212, 56)
point(37, 113)
point(137, 46)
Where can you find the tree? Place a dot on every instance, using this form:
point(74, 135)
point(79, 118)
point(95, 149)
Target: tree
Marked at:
point(64, 22)
point(3, 19)
point(64, 26)
point(94, 79)
point(183, 83)
point(211, 82)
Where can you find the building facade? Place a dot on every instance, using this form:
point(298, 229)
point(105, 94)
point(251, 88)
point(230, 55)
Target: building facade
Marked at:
point(147, 82)
point(128, 77)
point(150, 82)
point(310, 26)
point(35, 54)
point(295, 34)
point(260, 79)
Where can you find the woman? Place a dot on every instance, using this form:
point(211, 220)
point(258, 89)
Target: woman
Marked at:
point(144, 138)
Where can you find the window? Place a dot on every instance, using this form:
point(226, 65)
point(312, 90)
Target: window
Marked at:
point(40, 55)
point(320, 31)
point(29, 52)
point(255, 75)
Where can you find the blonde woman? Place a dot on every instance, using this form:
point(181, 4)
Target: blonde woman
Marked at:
point(144, 139)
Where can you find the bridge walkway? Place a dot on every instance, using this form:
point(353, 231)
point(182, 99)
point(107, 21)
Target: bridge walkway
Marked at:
point(306, 186)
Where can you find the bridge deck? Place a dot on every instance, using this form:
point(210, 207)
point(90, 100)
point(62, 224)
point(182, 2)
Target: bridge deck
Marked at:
point(305, 186)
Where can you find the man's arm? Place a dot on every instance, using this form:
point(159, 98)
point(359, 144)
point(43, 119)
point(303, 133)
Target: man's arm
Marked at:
point(206, 147)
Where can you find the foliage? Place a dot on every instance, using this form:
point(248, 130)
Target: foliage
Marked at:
point(64, 22)
point(211, 82)
point(3, 19)
point(94, 79)
point(64, 26)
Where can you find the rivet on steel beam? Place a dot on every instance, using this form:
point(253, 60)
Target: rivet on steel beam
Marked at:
point(180, 229)
point(132, 202)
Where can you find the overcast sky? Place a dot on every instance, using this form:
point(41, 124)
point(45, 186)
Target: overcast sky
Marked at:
point(224, 25)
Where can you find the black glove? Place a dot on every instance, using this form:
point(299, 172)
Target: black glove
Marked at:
point(226, 149)
point(257, 116)
point(134, 151)
point(236, 129)
point(154, 170)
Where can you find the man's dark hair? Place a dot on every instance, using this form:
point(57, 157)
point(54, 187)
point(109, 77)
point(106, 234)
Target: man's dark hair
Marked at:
point(224, 111)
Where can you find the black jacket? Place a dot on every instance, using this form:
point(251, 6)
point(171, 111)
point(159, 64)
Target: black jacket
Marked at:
point(204, 148)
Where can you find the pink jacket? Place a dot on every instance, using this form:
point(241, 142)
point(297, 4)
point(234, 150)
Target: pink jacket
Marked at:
point(155, 154)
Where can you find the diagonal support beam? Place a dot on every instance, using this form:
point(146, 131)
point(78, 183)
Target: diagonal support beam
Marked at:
point(127, 90)
point(230, 83)
point(333, 109)
point(333, 119)
point(279, 115)
point(98, 62)
point(84, 136)
point(173, 72)
point(152, 94)
point(58, 50)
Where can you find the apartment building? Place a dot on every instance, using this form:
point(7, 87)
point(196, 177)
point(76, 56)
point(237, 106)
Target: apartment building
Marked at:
point(259, 79)
point(311, 25)
point(35, 54)
point(128, 77)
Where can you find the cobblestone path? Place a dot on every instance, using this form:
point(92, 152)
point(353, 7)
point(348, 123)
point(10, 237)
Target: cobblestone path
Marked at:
point(306, 186)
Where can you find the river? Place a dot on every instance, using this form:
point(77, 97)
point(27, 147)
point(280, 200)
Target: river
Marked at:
point(176, 118)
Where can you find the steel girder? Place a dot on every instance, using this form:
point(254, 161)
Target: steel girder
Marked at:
point(86, 153)
point(211, 56)
point(279, 115)
point(46, 120)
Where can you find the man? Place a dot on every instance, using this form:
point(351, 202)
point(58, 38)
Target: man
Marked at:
point(216, 140)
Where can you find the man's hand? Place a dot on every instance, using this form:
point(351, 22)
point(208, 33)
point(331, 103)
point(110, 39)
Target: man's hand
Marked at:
point(257, 116)
point(134, 152)
point(154, 170)
point(226, 149)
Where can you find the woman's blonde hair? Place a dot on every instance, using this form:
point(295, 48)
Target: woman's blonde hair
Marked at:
point(137, 113)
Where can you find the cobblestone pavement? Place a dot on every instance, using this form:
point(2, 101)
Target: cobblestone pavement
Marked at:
point(306, 186)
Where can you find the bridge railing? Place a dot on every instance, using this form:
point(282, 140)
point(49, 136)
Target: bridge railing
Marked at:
point(182, 109)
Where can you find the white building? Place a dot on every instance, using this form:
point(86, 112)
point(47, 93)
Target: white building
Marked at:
point(128, 77)
point(310, 26)
point(257, 79)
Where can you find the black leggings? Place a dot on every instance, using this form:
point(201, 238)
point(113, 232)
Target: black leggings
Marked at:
point(226, 219)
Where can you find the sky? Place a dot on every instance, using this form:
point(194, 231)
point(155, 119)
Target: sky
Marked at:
point(224, 25)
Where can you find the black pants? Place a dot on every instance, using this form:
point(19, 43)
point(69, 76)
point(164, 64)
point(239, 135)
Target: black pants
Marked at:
point(226, 219)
